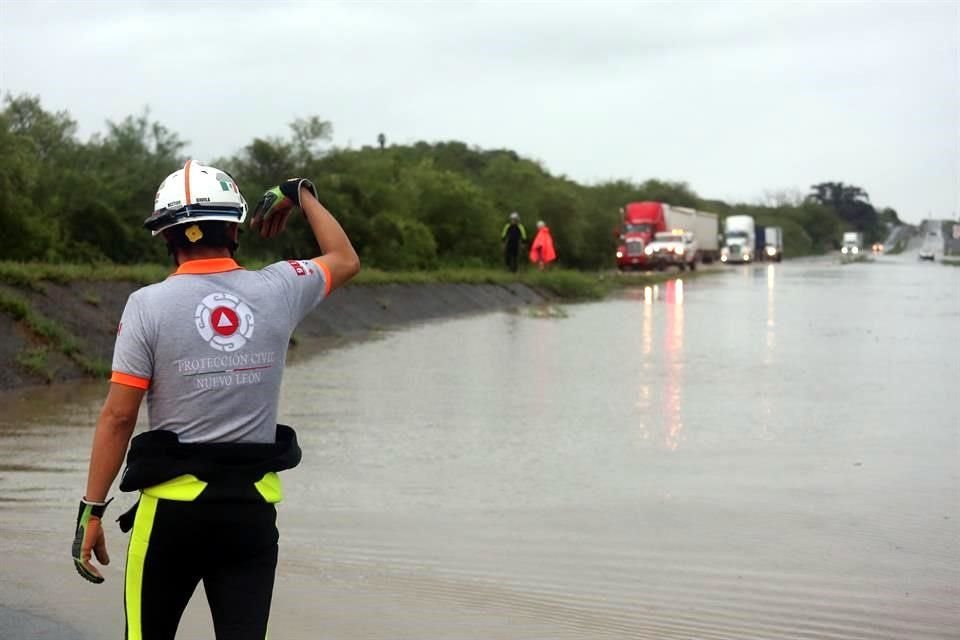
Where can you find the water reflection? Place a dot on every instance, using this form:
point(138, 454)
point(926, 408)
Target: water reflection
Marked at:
point(668, 358)
point(673, 353)
point(647, 332)
point(771, 317)
point(674, 292)
point(642, 405)
point(766, 401)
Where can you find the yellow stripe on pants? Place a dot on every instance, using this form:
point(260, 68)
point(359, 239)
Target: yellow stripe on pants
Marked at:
point(136, 557)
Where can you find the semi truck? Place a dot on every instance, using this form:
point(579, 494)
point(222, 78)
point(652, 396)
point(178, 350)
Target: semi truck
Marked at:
point(643, 220)
point(769, 243)
point(739, 239)
point(852, 245)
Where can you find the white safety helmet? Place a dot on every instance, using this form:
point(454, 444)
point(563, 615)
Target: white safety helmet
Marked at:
point(193, 194)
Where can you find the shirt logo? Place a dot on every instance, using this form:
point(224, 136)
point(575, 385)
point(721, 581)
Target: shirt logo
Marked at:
point(224, 321)
point(297, 267)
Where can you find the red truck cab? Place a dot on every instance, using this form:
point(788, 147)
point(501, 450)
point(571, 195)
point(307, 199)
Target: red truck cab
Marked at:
point(641, 220)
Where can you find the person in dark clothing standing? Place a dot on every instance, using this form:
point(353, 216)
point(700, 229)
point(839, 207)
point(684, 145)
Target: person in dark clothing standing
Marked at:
point(513, 235)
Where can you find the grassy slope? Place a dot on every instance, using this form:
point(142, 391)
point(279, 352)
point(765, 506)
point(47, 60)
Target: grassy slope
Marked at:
point(49, 335)
point(563, 283)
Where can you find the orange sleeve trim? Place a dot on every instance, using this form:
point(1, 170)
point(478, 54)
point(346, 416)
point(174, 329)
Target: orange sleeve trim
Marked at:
point(328, 282)
point(130, 381)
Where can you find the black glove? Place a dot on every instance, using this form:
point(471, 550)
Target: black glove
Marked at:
point(291, 189)
point(274, 206)
point(87, 511)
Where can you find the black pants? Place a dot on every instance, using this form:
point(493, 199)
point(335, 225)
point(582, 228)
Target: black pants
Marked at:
point(510, 256)
point(231, 547)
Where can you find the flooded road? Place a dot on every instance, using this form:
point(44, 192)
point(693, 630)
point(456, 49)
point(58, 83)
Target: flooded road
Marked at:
point(773, 452)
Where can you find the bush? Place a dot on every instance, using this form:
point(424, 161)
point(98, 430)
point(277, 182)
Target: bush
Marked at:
point(402, 243)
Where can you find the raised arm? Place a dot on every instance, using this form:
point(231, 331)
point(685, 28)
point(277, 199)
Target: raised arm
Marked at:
point(339, 256)
point(270, 218)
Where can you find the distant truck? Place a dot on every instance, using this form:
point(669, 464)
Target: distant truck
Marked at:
point(932, 243)
point(852, 244)
point(770, 243)
point(739, 239)
point(643, 220)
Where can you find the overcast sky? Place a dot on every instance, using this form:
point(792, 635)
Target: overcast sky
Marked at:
point(735, 98)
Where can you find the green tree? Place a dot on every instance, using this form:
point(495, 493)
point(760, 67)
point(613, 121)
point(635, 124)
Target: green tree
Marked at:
point(403, 243)
point(852, 204)
point(404, 206)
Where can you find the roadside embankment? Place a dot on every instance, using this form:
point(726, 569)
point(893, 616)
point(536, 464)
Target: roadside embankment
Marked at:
point(58, 322)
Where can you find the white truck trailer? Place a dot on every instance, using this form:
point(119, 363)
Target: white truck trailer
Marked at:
point(704, 225)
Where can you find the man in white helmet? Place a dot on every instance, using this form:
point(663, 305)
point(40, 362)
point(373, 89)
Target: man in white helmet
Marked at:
point(207, 347)
point(513, 235)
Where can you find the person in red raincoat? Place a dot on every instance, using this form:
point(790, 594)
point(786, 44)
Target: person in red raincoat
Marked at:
point(542, 251)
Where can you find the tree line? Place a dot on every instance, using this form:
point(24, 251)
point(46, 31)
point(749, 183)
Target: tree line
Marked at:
point(417, 206)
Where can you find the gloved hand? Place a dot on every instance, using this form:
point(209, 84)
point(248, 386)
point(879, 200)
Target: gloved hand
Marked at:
point(274, 207)
point(89, 537)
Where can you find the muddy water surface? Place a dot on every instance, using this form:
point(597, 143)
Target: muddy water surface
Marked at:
point(768, 453)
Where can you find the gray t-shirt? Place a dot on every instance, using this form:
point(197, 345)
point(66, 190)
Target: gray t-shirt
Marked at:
point(210, 342)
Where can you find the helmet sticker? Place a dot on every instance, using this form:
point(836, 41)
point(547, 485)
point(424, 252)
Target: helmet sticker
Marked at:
point(226, 182)
point(193, 233)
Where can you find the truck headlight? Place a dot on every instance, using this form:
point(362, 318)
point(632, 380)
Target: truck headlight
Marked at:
point(771, 251)
point(678, 250)
point(855, 249)
point(619, 254)
point(648, 251)
point(843, 250)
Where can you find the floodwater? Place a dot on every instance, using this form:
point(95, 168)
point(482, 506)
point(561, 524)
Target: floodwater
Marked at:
point(768, 453)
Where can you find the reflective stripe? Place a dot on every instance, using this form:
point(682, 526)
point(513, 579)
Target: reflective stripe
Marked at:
point(184, 488)
point(270, 487)
point(187, 488)
point(136, 558)
point(131, 381)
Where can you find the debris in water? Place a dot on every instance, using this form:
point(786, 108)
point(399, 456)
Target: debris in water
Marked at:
point(545, 311)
